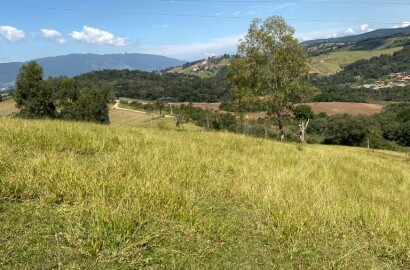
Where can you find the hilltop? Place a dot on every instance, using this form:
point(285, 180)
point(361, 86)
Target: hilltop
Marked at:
point(385, 33)
point(210, 67)
point(75, 195)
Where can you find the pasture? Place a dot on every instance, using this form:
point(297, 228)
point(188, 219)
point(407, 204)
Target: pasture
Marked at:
point(78, 195)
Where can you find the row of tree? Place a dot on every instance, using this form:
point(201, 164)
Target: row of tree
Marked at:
point(57, 97)
point(387, 130)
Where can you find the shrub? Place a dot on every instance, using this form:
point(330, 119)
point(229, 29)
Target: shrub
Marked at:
point(303, 112)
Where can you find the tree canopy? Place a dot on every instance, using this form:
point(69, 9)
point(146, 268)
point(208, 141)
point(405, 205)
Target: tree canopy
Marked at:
point(33, 95)
point(272, 69)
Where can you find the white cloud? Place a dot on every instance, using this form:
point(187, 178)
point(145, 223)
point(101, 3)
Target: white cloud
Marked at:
point(96, 36)
point(318, 34)
point(349, 31)
point(11, 34)
point(195, 50)
point(366, 28)
point(404, 24)
point(53, 35)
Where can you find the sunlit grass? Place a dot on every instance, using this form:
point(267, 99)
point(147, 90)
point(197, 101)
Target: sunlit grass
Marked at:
point(76, 195)
point(340, 59)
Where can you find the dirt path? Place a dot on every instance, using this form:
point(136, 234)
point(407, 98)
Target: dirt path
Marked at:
point(117, 107)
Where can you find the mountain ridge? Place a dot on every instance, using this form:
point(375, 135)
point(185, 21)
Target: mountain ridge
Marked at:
point(378, 33)
point(75, 64)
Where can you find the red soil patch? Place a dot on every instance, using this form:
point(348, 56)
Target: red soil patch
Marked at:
point(332, 108)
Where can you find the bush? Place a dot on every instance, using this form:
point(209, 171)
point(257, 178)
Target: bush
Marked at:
point(303, 112)
point(346, 130)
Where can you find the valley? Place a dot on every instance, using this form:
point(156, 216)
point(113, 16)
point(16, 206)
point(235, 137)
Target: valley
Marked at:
point(282, 156)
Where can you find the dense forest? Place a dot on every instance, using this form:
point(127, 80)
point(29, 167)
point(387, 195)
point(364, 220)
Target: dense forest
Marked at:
point(156, 85)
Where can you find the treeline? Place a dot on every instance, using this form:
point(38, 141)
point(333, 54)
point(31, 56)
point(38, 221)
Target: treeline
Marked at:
point(58, 98)
point(153, 86)
point(345, 93)
point(387, 130)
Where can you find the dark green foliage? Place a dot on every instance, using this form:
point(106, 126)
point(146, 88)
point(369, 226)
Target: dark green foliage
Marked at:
point(331, 92)
point(395, 123)
point(85, 105)
point(346, 130)
point(159, 105)
point(154, 86)
point(93, 107)
point(33, 95)
point(317, 126)
point(303, 112)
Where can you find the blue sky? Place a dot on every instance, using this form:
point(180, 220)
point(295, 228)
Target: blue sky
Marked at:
point(184, 29)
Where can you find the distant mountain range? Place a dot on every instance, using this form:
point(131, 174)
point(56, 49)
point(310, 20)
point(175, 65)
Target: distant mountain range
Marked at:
point(76, 64)
point(379, 33)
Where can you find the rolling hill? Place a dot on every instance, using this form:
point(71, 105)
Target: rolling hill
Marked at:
point(332, 63)
point(76, 64)
point(376, 34)
point(75, 195)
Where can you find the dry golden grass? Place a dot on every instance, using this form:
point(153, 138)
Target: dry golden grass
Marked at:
point(121, 117)
point(80, 196)
point(8, 107)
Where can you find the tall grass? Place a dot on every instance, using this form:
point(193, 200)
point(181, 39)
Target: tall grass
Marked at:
point(77, 196)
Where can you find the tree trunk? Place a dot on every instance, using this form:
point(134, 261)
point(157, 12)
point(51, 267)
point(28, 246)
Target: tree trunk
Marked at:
point(281, 130)
point(302, 128)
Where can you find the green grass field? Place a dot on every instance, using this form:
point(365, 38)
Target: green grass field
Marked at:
point(342, 58)
point(84, 196)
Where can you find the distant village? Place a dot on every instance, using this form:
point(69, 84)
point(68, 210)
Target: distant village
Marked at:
point(399, 79)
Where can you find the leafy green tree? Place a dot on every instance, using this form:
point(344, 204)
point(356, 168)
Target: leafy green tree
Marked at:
point(92, 107)
point(347, 130)
point(160, 105)
point(271, 70)
point(33, 95)
point(303, 112)
point(69, 92)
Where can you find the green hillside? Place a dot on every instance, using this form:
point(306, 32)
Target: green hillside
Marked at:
point(84, 196)
point(331, 63)
point(323, 64)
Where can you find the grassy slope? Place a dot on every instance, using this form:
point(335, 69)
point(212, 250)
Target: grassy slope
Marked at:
point(342, 58)
point(76, 195)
